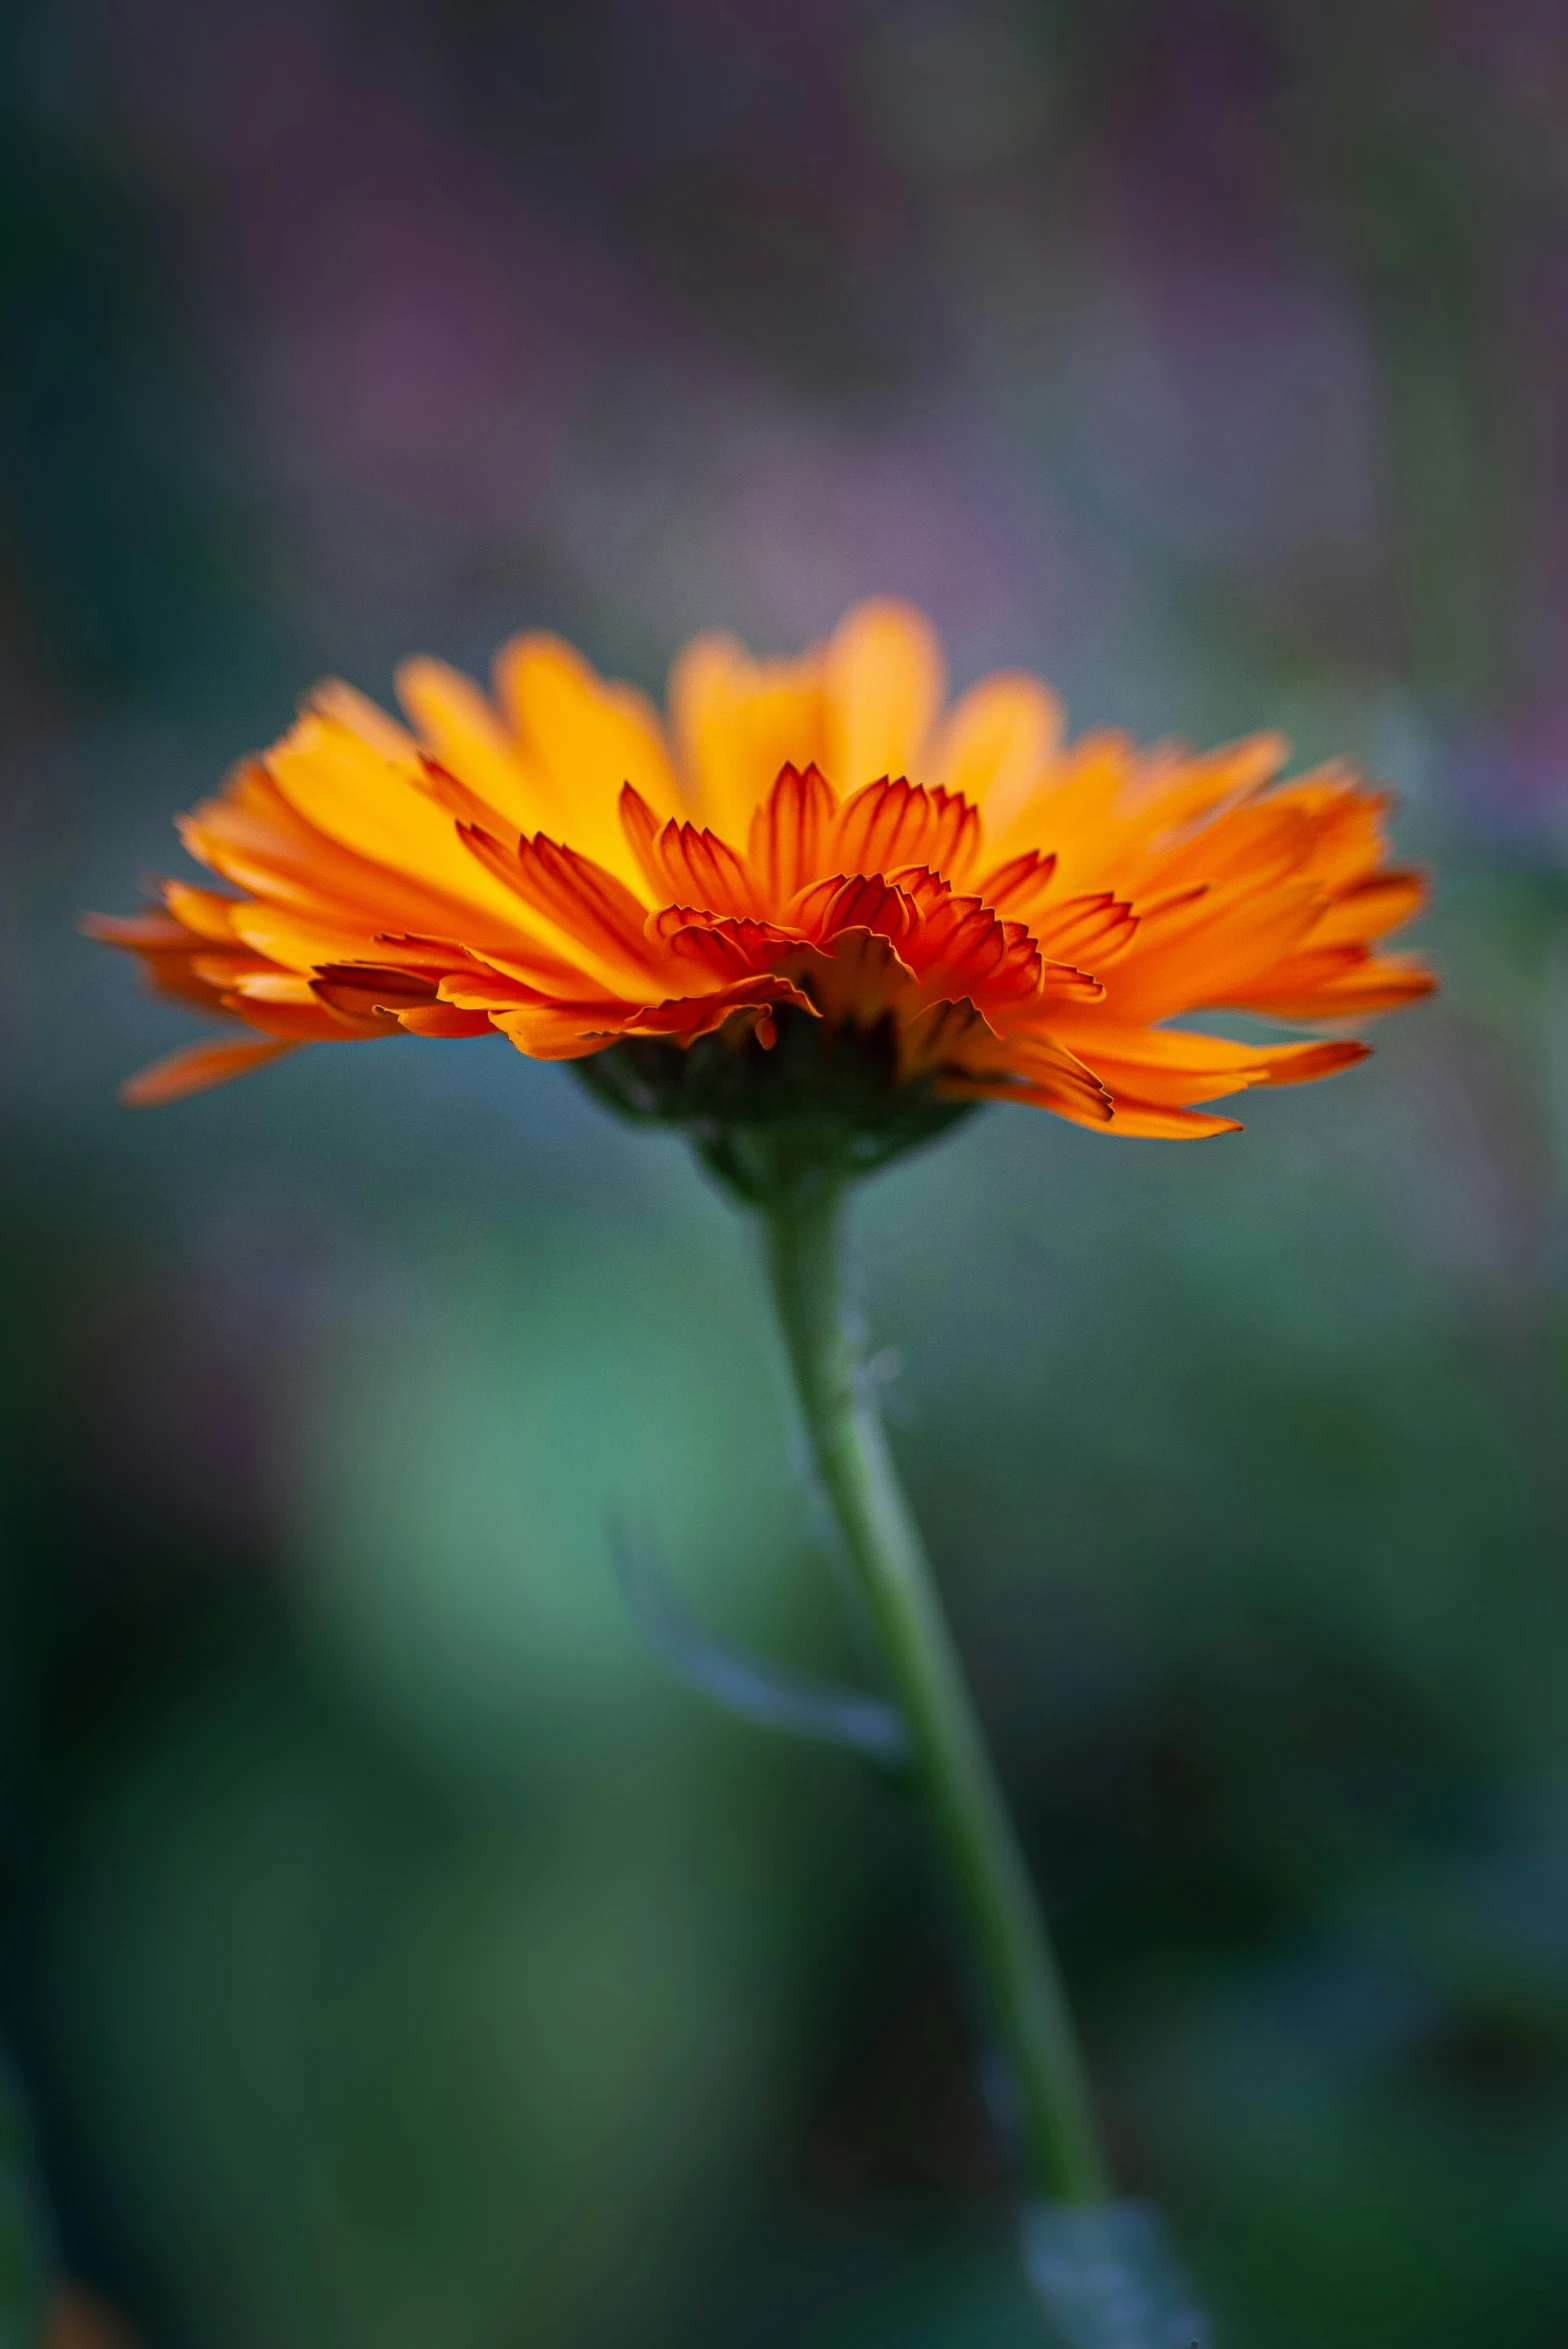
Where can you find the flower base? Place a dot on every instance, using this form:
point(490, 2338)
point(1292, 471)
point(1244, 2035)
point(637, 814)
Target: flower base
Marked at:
point(824, 1098)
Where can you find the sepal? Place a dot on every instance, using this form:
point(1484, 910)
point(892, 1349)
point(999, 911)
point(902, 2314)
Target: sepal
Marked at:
point(824, 1099)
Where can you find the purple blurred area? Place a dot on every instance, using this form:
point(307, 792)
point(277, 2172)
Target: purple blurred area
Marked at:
point(1069, 323)
point(387, 1955)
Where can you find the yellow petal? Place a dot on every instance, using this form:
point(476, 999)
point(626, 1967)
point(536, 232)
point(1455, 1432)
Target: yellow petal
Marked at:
point(583, 737)
point(362, 716)
point(883, 676)
point(459, 728)
point(296, 941)
point(738, 723)
point(998, 744)
point(202, 910)
point(374, 804)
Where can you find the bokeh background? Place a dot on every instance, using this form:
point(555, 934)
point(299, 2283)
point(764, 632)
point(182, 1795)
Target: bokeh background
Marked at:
point(389, 1955)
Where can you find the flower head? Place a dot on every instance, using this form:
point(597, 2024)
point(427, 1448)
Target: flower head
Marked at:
point(923, 907)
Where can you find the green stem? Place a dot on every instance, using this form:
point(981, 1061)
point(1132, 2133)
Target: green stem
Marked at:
point(987, 1879)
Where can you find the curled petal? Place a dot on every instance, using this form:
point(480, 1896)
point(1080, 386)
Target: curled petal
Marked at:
point(304, 1023)
point(364, 992)
point(858, 902)
point(443, 1019)
point(728, 949)
point(570, 1031)
point(947, 1035)
point(856, 977)
point(965, 950)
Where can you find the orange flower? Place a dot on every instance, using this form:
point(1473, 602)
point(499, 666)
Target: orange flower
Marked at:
point(813, 844)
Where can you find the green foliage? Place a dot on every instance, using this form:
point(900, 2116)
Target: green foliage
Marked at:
point(25, 2263)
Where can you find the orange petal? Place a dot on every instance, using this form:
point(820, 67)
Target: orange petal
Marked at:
point(642, 828)
point(1093, 929)
point(700, 869)
point(1052, 1078)
point(443, 1019)
point(1019, 886)
point(572, 1031)
point(1350, 821)
point(1176, 788)
point(1337, 982)
point(962, 949)
point(1211, 950)
point(295, 940)
point(1265, 841)
point(1370, 909)
point(142, 932)
point(461, 800)
point(889, 824)
point(1072, 812)
point(686, 1017)
point(1141, 1121)
point(257, 986)
point(563, 1031)
point(593, 914)
point(196, 1068)
point(789, 835)
point(1173, 1068)
point(1048, 1077)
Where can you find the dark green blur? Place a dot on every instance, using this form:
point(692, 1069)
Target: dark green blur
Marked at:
point(390, 1956)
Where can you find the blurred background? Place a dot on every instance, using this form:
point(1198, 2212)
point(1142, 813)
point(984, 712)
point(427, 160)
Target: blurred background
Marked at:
point(388, 1954)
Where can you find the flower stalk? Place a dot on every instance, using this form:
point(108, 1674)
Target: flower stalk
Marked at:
point(987, 1880)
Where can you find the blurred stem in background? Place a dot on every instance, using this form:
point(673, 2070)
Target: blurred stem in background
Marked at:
point(988, 1881)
